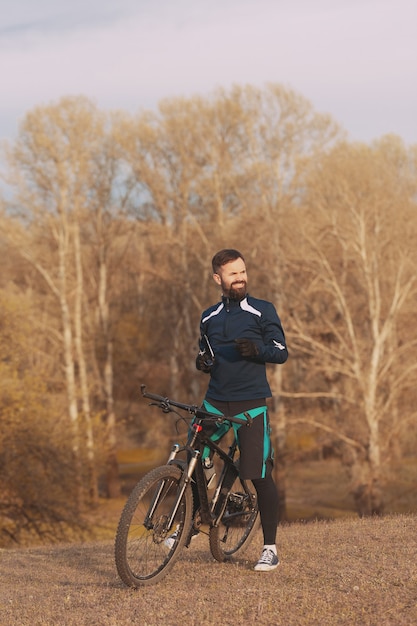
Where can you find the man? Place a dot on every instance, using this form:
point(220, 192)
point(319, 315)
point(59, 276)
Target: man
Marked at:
point(244, 333)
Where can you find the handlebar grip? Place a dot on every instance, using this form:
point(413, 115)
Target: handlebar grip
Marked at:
point(166, 403)
point(152, 396)
point(247, 422)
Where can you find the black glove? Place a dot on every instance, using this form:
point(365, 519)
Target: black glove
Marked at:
point(246, 347)
point(203, 362)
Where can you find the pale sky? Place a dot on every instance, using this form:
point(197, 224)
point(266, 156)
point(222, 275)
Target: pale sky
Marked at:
point(354, 59)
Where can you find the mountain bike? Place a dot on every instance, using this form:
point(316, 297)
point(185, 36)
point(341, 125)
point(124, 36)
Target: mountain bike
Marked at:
point(159, 520)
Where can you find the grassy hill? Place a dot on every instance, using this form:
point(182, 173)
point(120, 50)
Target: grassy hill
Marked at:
point(346, 571)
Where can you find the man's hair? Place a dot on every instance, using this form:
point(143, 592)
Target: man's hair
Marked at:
point(223, 257)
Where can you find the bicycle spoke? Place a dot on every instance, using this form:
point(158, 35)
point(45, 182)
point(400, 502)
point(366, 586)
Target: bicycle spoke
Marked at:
point(239, 522)
point(142, 552)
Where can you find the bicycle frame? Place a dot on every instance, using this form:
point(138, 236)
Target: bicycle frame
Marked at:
point(210, 511)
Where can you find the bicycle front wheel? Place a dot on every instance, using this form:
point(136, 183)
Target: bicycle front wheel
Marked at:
point(146, 545)
point(239, 522)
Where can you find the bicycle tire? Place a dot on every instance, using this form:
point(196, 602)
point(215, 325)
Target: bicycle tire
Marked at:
point(141, 554)
point(239, 522)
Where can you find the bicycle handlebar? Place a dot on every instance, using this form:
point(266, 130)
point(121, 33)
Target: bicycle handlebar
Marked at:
point(165, 404)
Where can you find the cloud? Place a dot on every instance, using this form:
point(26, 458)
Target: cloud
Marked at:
point(46, 16)
point(353, 58)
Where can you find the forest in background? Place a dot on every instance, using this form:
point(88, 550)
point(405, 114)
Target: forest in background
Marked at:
point(107, 231)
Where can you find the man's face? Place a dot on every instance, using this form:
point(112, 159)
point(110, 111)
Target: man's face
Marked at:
point(233, 279)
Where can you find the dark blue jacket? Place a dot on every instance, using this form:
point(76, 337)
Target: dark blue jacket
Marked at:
point(232, 376)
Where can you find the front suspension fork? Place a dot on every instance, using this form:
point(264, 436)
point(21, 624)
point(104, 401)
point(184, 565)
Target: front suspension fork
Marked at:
point(185, 479)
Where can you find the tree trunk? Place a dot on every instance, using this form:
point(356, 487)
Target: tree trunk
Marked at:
point(69, 365)
point(112, 469)
point(366, 490)
point(82, 370)
point(279, 424)
point(112, 473)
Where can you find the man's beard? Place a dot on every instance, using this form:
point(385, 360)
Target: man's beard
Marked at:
point(237, 292)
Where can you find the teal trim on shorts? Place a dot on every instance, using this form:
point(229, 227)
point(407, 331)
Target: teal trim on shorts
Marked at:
point(224, 428)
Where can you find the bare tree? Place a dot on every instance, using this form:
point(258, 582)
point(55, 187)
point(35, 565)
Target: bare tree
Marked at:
point(107, 230)
point(158, 150)
point(49, 165)
point(283, 131)
point(357, 279)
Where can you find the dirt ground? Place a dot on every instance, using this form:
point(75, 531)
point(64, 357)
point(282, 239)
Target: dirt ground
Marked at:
point(340, 572)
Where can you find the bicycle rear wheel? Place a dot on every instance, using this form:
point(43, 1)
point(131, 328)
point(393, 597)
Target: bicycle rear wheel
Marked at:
point(143, 555)
point(239, 522)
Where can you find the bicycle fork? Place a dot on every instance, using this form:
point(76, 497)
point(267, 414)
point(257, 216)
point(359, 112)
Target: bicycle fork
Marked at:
point(185, 480)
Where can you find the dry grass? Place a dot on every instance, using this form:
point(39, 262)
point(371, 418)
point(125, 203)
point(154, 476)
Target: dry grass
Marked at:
point(347, 571)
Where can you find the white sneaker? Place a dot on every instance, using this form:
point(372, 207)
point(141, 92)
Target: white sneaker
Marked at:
point(268, 561)
point(170, 541)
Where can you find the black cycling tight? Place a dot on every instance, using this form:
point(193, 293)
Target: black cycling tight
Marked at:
point(268, 507)
point(267, 503)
